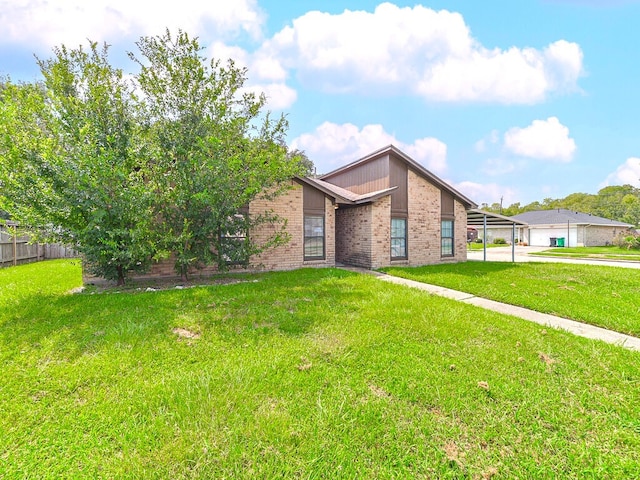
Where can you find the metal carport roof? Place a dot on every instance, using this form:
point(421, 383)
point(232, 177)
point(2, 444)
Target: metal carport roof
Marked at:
point(477, 217)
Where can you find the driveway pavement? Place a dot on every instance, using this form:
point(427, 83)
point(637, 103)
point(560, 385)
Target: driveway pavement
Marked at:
point(503, 254)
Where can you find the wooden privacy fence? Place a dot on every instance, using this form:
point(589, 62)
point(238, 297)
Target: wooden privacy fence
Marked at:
point(15, 250)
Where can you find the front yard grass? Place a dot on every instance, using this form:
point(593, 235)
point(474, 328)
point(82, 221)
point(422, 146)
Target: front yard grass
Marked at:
point(608, 253)
point(608, 297)
point(316, 373)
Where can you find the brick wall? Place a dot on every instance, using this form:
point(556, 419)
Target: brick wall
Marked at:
point(291, 255)
point(353, 235)
point(598, 236)
point(381, 232)
point(460, 233)
point(424, 221)
point(424, 236)
point(363, 234)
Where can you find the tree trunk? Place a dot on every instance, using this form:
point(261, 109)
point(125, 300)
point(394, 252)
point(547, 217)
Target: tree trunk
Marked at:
point(120, 275)
point(183, 273)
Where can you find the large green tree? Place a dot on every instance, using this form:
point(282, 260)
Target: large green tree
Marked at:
point(72, 161)
point(214, 151)
point(130, 172)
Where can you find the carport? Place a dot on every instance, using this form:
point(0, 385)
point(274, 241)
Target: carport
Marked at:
point(480, 218)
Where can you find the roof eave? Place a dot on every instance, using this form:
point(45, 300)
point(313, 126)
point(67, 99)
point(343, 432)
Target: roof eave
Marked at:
point(337, 198)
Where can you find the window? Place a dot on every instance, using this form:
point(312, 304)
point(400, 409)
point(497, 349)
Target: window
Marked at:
point(233, 244)
point(447, 238)
point(314, 237)
point(398, 238)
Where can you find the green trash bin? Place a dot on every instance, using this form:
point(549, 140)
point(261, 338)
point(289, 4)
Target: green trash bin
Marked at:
point(560, 242)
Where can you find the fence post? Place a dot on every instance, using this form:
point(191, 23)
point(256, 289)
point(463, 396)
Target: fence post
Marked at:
point(15, 249)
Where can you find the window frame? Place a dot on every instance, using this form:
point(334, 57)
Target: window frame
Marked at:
point(405, 237)
point(309, 237)
point(450, 238)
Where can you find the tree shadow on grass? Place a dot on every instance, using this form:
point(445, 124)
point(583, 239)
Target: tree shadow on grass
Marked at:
point(278, 303)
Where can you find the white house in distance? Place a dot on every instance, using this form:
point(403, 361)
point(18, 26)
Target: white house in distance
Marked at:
point(567, 228)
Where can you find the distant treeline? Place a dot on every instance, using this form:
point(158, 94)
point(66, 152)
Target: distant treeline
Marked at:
point(620, 203)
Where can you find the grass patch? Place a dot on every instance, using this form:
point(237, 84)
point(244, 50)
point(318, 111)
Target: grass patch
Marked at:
point(598, 295)
point(315, 373)
point(609, 253)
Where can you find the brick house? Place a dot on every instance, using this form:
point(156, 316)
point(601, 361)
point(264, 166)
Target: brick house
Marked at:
point(384, 209)
point(392, 211)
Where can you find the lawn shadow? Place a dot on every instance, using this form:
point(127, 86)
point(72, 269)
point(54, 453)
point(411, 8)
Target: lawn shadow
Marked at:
point(276, 303)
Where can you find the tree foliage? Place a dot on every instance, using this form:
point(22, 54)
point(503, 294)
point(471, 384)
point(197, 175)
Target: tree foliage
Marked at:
point(306, 164)
point(71, 157)
point(127, 171)
point(214, 152)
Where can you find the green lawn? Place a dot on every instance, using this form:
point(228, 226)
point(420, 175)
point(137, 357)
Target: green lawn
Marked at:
point(608, 253)
point(608, 297)
point(317, 373)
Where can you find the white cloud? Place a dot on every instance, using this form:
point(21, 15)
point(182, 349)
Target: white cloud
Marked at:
point(626, 174)
point(279, 96)
point(422, 51)
point(331, 145)
point(222, 52)
point(265, 75)
point(45, 23)
point(543, 139)
point(486, 192)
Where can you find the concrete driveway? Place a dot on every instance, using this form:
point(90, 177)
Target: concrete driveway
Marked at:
point(503, 254)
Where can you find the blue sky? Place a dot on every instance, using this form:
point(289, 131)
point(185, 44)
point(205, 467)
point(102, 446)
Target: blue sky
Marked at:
point(519, 100)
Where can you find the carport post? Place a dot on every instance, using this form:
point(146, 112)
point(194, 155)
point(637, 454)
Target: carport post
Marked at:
point(484, 234)
point(513, 242)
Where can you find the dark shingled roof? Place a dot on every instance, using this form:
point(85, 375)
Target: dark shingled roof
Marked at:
point(562, 216)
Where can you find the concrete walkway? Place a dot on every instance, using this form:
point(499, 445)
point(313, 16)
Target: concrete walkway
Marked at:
point(577, 328)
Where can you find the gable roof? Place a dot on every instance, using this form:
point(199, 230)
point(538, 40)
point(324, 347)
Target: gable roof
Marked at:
point(562, 216)
point(411, 163)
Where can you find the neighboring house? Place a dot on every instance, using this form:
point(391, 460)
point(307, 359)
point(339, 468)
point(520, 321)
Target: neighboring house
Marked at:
point(384, 209)
point(562, 227)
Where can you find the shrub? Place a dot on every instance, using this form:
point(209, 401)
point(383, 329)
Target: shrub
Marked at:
point(628, 241)
point(499, 241)
point(478, 240)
